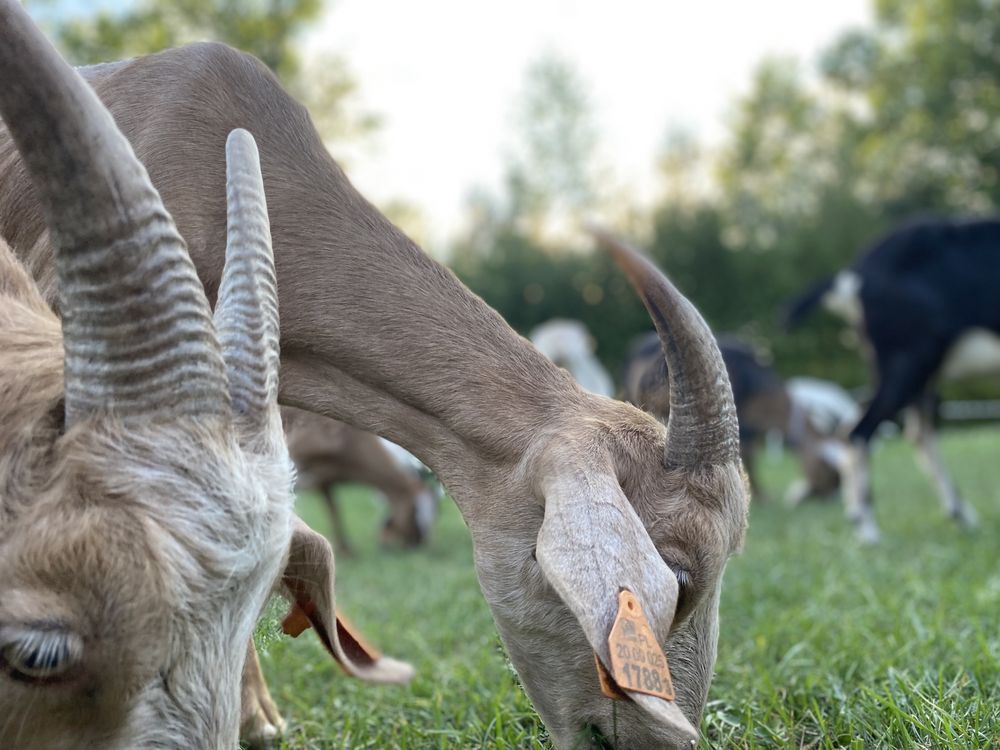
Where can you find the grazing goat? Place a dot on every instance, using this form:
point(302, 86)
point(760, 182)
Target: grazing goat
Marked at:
point(924, 299)
point(822, 414)
point(571, 498)
point(830, 408)
point(764, 404)
point(327, 452)
point(569, 344)
point(145, 487)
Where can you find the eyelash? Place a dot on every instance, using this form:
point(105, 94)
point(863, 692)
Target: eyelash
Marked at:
point(39, 659)
point(683, 582)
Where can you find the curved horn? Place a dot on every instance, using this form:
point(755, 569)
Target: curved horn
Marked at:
point(246, 315)
point(702, 427)
point(137, 329)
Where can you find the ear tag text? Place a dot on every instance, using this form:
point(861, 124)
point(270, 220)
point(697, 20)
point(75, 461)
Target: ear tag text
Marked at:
point(638, 663)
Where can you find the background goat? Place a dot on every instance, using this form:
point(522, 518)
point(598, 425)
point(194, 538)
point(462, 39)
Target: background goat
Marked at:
point(327, 453)
point(569, 497)
point(924, 299)
point(569, 344)
point(764, 404)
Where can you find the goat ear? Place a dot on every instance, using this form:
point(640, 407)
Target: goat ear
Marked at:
point(308, 581)
point(591, 547)
point(246, 315)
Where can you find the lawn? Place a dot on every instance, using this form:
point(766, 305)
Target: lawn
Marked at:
point(824, 644)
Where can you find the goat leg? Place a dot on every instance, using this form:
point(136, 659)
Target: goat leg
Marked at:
point(260, 722)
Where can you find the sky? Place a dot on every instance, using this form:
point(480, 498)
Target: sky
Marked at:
point(444, 76)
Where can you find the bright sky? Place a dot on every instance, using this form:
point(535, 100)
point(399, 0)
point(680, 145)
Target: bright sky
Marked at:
point(444, 75)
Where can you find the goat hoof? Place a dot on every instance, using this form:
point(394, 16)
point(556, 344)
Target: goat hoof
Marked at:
point(965, 516)
point(868, 533)
point(262, 725)
point(261, 731)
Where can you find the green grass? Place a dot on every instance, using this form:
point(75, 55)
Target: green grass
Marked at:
point(824, 644)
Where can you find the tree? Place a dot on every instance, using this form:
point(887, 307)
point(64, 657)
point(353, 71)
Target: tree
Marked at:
point(550, 173)
point(928, 76)
point(269, 29)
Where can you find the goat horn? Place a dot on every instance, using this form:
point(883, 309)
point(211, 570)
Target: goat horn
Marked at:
point(246, 315)
point(702, 427)
point(137, 328)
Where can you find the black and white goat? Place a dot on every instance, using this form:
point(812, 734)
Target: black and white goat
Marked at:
point(926, 300)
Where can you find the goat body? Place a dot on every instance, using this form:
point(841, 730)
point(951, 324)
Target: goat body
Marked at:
point(569, 344)
point(764, 404)
point(327, 453)
point(524, 451)
point(924, 299)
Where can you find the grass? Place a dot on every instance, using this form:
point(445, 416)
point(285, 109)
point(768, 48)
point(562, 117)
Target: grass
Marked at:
point(824, 644)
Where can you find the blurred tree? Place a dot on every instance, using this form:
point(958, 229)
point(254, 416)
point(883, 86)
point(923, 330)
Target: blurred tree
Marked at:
point(901, 119)
point(927, 78)
point(521, 249)
point(550, 172)
point(269, 29)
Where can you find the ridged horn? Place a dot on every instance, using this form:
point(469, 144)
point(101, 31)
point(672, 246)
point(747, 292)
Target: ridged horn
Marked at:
point(137, 328)
point(246, 315)
point(702, 427)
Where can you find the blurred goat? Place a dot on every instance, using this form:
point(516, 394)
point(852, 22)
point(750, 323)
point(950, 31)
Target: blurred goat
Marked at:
point(570, 497)
point(763, 405)
point(328, 453)
point(145, 487)
point(822, 414)
point(569, 344)
point(924, 299)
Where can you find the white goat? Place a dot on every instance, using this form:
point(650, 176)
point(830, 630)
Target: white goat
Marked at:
point(569, 344)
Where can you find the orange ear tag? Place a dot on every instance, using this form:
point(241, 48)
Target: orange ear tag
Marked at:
point(608, 686)
point(297, 620)
point(638, 663)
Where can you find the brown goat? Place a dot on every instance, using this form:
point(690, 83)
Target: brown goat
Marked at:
point(327, 453)
point(570, 498)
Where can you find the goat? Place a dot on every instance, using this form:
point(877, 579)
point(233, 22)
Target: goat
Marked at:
point(822, 413)
point(764, 404)
point(569, 344)
point(923, 298)
point(830, 408)
point(570, 498)
point(145, 487)
point(327, 452)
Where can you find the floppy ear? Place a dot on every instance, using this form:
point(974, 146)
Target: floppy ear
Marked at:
point(308, 580)
point(591, 547)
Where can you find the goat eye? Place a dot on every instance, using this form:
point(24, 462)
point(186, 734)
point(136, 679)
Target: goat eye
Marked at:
point(683, 577)
point(38, 656)
point(683, 581)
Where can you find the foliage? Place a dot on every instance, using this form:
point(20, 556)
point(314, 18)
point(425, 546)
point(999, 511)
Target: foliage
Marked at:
point(270, 29)
point(895, 120)
point(549, 169)
point(802, 606)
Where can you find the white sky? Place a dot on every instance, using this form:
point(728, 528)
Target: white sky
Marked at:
point(444, 75)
